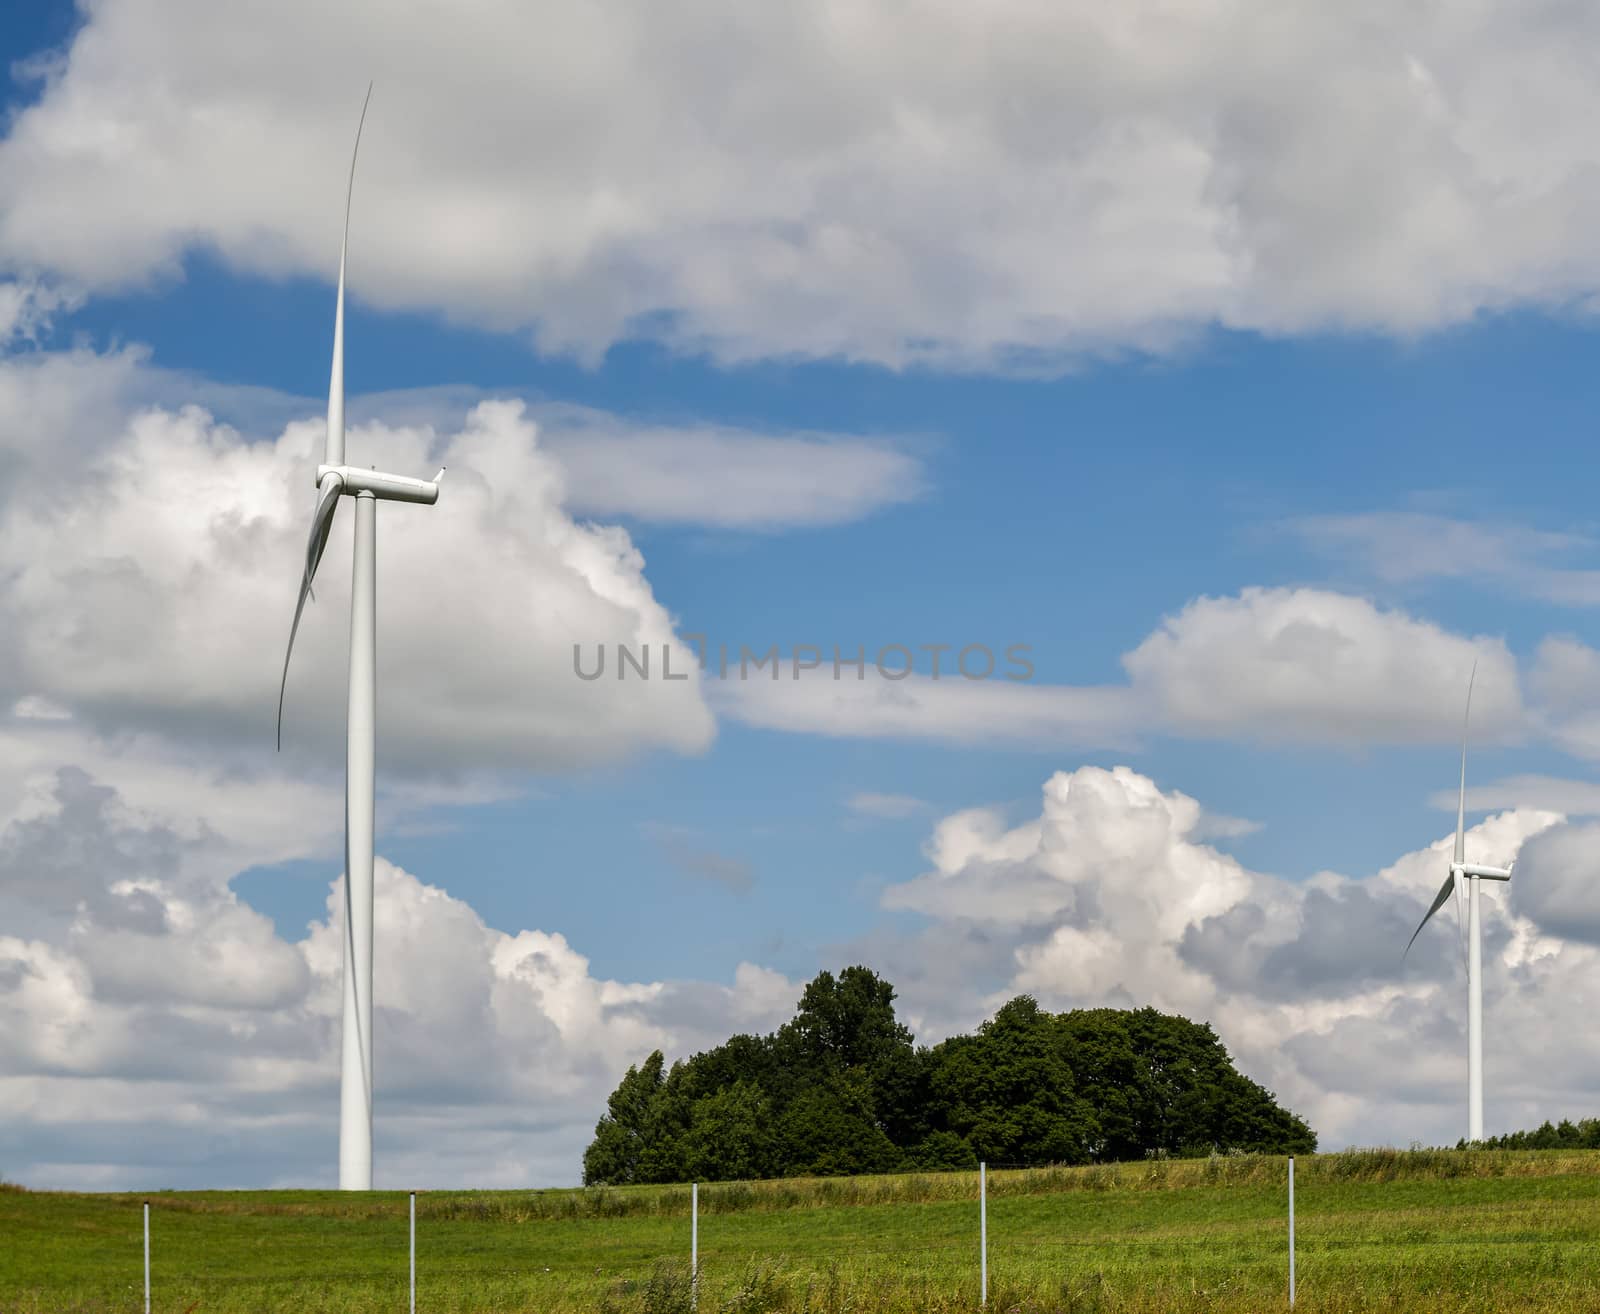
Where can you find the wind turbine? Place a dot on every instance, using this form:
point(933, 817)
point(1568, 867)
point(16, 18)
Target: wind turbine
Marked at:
point(336, 480)
point(1462, 870)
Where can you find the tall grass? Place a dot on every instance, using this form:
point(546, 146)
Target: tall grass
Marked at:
point(602, 1202)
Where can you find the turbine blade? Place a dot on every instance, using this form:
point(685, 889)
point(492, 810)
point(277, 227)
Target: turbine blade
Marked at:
point(321, 527)
point(1445, 891)
point(1461, 922)
point(334, 449)
point(1461, 799)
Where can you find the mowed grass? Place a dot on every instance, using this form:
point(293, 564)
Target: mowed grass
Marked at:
point(1377, 1230)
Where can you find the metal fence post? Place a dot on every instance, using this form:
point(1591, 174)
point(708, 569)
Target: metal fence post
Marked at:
point(694, 1246)
point(146, 1257)
point(413, 1252)
point(1291, 1231)
point(983, 1233)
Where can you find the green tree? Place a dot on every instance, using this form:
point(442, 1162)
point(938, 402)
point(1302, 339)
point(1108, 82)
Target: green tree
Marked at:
point(829, 1129)
point(1008, 1091)
point(730, 1135)
point(841, 1088)
point(1565, 1135)
point(942, 1151)
point(845, 1023)
point(1163, 1083)
point(740, 1058)
point(622, 1135)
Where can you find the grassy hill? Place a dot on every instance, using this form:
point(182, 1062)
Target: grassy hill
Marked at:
point(1377, 1230)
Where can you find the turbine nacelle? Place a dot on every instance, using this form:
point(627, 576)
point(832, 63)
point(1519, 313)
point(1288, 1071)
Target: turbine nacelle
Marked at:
point(388, 487)
point(1481, 872)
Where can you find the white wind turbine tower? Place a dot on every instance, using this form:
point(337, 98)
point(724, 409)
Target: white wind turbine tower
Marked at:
point(1462, 870)
point(336, 480)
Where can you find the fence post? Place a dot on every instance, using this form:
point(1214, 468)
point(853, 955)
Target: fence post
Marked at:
point(146, 1257)
point(1291, 1231)
point(694, 1246)
point(983, 1233)
point(413, 1252)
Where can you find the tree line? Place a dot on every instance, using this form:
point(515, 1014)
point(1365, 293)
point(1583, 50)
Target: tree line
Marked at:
point(842, 1088)
point(1564, 1135)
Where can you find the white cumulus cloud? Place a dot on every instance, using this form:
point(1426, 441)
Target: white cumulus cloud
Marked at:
point(1009, 185)
point(1270, 665)
point(152, 589)
point(1109, 897)
point(1313, 666)
point(128, 966)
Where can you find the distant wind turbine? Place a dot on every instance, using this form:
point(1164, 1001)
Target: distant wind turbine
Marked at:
point(1462, 870)
point(335, 480)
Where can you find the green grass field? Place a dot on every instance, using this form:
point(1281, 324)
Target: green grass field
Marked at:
point(1377, 1230)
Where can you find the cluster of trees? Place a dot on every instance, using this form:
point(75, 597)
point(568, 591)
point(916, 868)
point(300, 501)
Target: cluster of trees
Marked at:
point(841, 1088)
point(1564, 1135)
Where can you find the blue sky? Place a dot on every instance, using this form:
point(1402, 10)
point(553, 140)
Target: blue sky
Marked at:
point(1224, 420)
point(1068, 514)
